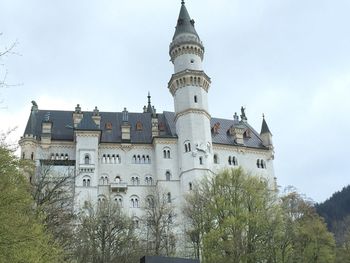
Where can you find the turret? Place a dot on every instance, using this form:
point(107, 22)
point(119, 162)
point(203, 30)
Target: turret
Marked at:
point(29, 141)
point(265, 134)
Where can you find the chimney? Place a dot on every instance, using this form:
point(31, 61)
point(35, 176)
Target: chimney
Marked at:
point(125, 127)
point(77, 116)
point(96, 117)
point(46, 131)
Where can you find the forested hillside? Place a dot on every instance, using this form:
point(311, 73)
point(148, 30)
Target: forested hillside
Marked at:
point(336, 212)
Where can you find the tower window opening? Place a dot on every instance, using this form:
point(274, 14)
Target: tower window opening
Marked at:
point(195, 99)
point(167, 176)
point(87, 159)
point(200, 160)
point(190, 186)
point(169, 197)
point(192, 61)
point(215, 158)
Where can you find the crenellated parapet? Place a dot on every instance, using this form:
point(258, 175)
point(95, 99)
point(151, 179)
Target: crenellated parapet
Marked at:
point(184, 46)
point(189, 78)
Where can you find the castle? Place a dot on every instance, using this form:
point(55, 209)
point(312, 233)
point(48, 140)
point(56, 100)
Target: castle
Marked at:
point(120, 155)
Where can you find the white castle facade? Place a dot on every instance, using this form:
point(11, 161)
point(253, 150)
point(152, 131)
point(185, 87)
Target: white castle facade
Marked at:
point(121, 155)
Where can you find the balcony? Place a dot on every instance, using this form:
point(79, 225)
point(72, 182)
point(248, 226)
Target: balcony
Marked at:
point(86, 168)
point(119, 187)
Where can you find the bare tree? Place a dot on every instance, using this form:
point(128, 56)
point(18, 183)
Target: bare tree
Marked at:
point(52, 191)
point(159, 224)
point(104, 235)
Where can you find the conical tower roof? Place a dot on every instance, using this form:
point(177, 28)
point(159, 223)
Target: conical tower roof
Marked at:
point(184, 23)
point(264, 127)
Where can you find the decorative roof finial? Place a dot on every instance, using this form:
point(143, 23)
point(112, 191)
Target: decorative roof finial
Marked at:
point(149, 106)
point(182, 2)
point(263, 116)
point(243, 116)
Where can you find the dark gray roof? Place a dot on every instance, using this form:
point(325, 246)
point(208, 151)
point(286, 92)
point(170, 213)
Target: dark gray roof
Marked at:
point(62, 127)
point(87, 123)
point(184, 23)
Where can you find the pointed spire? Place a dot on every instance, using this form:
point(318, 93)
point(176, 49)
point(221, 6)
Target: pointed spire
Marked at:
point(149, 106)
point(264, 126)
point(184, 23)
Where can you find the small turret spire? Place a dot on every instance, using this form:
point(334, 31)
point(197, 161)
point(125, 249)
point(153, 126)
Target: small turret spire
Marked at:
point(264, 126)
point(182, 2)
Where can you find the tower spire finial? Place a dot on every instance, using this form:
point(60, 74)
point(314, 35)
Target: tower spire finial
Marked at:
point(182, 2)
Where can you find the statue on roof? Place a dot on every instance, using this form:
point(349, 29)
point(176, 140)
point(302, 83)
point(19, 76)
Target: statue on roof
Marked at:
point(243, 116)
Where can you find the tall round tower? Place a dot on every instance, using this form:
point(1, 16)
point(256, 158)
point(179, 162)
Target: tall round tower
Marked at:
point(189, 87)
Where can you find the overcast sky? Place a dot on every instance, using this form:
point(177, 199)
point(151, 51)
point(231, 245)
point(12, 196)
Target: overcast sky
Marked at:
point(288, 59)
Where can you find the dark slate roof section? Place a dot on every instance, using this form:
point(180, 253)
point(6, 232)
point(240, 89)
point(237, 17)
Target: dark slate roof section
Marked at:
point(62, 127)
point(223, 137)
point(62, 124)
point(184, 23)
point(87, 123)
point(264, 127)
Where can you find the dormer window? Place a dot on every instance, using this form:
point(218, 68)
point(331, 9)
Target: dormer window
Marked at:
point(215, 128)
point(247, 134)
point(108, 126)
point(138, 126)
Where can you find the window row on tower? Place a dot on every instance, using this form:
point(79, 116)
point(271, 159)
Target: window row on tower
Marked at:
point(134, 180)
point(141, 159)
point(59, 156)
point(111, 158)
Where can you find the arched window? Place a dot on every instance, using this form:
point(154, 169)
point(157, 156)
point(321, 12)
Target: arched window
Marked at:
point(166, 153)
point(101, 198)
point(32, 156)
point(134, 201)
point(119, 200)
point(169, 197)
point(66, 156)
point(148, 159)
point(108, 159)
point(136, 222)
point(62, 156)
point(167, 175)
point(195, 99)
point(234, 161)
point(134, 159)
point(201, 160)
point(87, 159)
point(258, 163)
point(86, 181)
point(117, 179)
point(229, 160)
point(150, 201)
point(57, 156)
point(148, 180)
point(137, 180)
point(215, 158)
point(133, 180)
point(187, 146)
point(52, 156)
